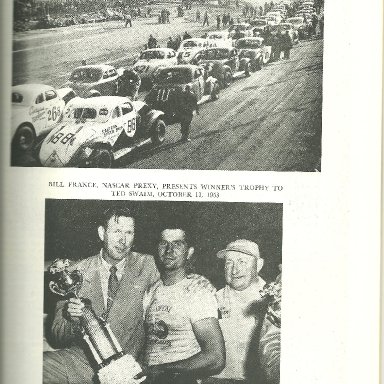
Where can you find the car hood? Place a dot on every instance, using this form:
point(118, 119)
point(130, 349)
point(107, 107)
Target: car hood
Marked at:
point(249, 52)
point(73, 137)
point(81, 89)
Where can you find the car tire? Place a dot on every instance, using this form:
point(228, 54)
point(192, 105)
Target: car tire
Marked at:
point(158, 132)
point(101, 158)
point(227, 79)
point(25, 138)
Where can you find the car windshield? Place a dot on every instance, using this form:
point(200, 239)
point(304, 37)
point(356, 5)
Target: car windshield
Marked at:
point(175, 76)
point(86, 75)
point(84, 113)
point(215, 54)
point(191, 44)
point(215, 36)
point(248, 43)
point(259, 23)
point(296, 20)
point(151, 55)
point(240, 27)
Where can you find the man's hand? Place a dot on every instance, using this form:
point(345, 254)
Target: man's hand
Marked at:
point(74, 309)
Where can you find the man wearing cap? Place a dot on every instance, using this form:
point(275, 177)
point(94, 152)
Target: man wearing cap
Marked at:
point(238, 319)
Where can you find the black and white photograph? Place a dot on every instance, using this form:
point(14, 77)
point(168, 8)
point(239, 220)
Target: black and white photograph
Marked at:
point(168, 84)
point(162, 292)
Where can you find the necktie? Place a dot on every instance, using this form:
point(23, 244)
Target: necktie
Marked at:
point(113, 286)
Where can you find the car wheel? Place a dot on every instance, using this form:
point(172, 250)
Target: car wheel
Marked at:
point(158, 132)
point(24, 138)
point(102, 158)
point(227, 79)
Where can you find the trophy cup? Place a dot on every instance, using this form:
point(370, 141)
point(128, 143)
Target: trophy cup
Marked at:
point(114, 366)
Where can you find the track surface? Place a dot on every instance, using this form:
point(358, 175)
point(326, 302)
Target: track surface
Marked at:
point(270, 121)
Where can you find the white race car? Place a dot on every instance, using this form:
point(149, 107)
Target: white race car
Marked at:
point(188, 48)
point(36, 109)
point(96, 131)
point(151, 60)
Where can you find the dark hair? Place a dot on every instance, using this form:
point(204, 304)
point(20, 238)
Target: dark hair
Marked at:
point(115, 212)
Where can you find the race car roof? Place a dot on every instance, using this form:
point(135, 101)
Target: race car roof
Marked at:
point(98, 102)
point(30, 91)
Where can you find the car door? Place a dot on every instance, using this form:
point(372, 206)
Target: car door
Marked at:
point(129, 119)
point(54, 108)
point(38, 113)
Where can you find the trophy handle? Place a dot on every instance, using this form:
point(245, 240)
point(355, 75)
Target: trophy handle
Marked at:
point(53, 286)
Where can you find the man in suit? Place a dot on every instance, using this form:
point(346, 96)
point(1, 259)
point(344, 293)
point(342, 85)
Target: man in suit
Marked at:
point(133, 273)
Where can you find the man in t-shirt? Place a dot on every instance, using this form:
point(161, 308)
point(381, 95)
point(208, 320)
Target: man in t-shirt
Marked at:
point(183, 337)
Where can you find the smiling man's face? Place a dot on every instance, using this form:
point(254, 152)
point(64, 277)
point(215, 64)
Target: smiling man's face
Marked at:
point(240, 270)
point(173, 249)
point(117, 238)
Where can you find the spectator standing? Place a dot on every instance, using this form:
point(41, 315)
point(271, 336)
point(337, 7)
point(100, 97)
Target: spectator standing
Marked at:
point(218, 21)
point(128, 20)
point(198, 16)
point(152, 42)
point(286, 44)
point(188, 104)
point(206, 19)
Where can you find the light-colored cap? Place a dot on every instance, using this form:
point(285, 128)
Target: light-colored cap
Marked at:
point(246, 247)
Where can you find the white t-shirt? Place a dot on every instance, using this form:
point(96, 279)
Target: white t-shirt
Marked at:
point(238, 324)
point(169, 314)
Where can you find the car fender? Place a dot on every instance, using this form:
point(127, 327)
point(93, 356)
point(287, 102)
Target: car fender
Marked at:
point(152, 116)
point(227, 68)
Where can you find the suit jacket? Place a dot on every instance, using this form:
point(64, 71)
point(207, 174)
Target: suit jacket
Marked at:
point(125, 316)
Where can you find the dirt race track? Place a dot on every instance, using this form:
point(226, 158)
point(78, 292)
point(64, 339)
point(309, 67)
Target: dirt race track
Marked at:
point(270, 121)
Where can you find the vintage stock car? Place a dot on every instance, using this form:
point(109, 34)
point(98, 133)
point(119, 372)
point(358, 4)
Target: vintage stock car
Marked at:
point(254, 49)
point(91, 80)
point(226, 64)
point(151, 60)
point(96, 131)
point(188, 49)
point(36, 109)
point(171, 81)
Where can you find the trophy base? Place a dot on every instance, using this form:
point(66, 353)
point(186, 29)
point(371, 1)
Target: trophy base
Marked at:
point(119, 371)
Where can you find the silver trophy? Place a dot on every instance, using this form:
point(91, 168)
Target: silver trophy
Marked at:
point(114, 365)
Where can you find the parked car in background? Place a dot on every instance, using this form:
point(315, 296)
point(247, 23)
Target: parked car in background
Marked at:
point(226, 64)
point(188, 48)
point(219, 39)
point(97, 131)
point(87, 80)
point(151, 60)
point(36, 110)
point(293, 33)
point(244, 29)
point(171, 82)
point(254, 49)
point(299, 25)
